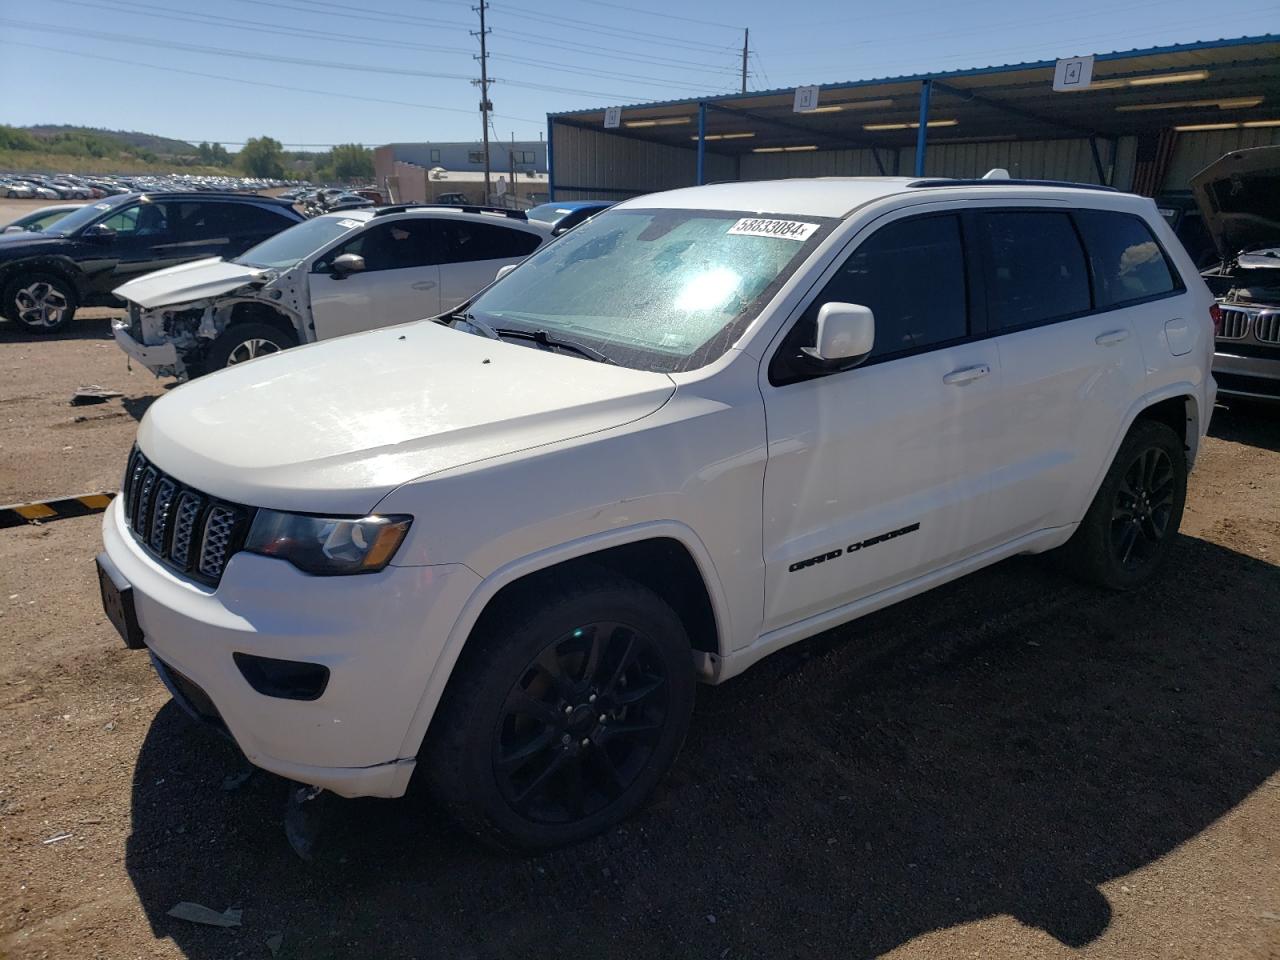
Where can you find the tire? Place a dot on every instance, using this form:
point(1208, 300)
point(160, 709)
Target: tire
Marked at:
point(244, 342)
point(1125, 536)
point(40, 302)
point(529, 758)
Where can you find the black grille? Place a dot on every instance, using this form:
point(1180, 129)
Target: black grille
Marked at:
point(1267, 327)
point(1235, 324)
point(186, 530)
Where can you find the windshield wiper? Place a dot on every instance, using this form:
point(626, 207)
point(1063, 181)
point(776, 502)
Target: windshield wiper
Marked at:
point(540, 337)
point(544, 339)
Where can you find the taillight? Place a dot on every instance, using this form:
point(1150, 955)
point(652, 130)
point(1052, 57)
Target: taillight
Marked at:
point(1215, 317)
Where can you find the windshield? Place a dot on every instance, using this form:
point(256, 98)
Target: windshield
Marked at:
point(297, 243)
point(664, 290)
point(84, 216)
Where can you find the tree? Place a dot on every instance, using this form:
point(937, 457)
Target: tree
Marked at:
point(213, 154)
point(351, 161)
point(263, 157)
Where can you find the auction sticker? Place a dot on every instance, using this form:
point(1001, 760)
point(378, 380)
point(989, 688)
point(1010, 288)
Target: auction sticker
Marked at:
point(348, 223)
point(786, 229)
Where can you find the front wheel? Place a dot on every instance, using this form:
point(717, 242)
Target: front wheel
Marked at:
point(41, 302)
point(565, 710)
point(1128, 529)
point(247, 341)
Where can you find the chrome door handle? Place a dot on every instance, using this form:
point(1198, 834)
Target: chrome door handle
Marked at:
point(966, 374)
point(1111, 338)
point(423, 285)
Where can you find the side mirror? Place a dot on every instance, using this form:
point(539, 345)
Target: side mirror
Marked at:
point(846, 333)
point(503, 271)
point(99, 231)
point(13, 230)
point(346, 264)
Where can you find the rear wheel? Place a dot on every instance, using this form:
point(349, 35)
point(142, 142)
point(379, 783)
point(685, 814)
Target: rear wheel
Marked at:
point(41, 302)
point(246, 341)
point(563, 713)
point(1127, 531)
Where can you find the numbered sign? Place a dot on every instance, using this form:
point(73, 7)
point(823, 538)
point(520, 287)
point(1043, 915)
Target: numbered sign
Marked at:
point(806, 99)
point(1073, 74)
point(612, 117)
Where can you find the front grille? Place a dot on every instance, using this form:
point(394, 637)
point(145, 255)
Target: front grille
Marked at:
point(1235, 324)
point(1266, 326)
point(185, 529)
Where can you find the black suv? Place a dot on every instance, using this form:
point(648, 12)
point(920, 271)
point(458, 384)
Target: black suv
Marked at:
point(80, 259)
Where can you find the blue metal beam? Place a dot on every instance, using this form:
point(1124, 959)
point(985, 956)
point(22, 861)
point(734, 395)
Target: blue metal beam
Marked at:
point(702, 143)
point(551, 167)
point(922, 135)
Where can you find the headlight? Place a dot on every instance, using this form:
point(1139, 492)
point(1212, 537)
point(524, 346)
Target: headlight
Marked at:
point(327, 545)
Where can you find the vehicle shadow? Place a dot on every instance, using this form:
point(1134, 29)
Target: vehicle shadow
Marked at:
point(1253, 424)
point(1002, 745)
point(80, 328)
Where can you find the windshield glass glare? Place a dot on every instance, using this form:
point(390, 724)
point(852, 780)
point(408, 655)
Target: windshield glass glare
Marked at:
point(663, 290)
point(297, 243)
point(86, 215)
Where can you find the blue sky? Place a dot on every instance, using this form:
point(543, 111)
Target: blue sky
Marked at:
point(317, 72)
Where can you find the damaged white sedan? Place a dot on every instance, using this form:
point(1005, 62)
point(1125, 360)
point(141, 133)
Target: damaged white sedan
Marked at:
point(333, 275)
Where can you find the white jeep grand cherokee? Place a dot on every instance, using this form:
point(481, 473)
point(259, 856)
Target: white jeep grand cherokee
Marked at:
point(499, 548)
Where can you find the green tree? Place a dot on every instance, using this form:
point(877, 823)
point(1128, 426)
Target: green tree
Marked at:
point(351, 161)
point(213, 154)
point(11, 138)
point(262, 157)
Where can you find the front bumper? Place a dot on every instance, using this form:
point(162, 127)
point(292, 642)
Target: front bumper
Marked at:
point(379, 635)
point(162, 359)
point(1251, 377)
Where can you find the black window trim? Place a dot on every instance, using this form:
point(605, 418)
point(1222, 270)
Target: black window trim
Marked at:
point(975, 283)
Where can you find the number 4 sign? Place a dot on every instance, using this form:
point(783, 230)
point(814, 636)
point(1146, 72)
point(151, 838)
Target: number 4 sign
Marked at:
point(1075, 73)
point(806, 99)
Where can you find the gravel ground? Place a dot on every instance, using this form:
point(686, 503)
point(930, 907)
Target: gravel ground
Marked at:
point(1011, 766)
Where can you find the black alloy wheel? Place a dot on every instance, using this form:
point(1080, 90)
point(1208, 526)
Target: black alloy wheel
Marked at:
point(1143, 507)
point(581, 723)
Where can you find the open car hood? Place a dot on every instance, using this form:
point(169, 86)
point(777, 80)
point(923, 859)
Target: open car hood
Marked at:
point(197, 280)
point(1239, 196)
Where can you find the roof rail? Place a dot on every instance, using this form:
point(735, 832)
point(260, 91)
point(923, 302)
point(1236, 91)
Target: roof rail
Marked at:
point(208, 195)
point(465, 208)
point(1011, 182)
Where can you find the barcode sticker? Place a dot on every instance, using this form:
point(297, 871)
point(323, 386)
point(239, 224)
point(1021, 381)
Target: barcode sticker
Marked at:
point(786, 229)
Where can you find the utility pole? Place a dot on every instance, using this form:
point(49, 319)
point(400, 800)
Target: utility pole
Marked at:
point(483, 83)
point(746, 48)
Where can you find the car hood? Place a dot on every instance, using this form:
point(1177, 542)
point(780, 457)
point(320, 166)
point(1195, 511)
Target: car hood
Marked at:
point(26, 243)
point(333, 427)
point(1239, 197)
point(197, 280)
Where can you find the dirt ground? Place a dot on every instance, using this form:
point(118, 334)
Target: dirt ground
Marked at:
point(1013, 766)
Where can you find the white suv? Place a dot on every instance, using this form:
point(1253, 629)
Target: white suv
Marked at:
point(499, 549)
point(332, 275)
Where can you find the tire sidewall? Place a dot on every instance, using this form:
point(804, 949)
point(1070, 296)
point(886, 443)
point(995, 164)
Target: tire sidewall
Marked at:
point(635, 607)
point(226, 342)
point(67, 289)
point(1145, 435)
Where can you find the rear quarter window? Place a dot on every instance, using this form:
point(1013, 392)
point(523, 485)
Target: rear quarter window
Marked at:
point(1035, 268)
point(1128, 264)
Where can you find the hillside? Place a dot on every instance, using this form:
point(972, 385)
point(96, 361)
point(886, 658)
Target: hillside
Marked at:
point(153, 143)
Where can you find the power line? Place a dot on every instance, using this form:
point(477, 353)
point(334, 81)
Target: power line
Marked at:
point(603, 74)
point(147, 9)
point(239, 54)
point(611, 53)
point(394, 17)
point(624, 33)
point(661, 13)
point(259, 83)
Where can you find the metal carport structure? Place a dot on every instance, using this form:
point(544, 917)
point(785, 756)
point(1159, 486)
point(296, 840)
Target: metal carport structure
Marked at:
point(1148, 120)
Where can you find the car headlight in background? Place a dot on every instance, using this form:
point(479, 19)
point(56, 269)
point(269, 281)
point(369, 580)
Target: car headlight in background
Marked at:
point(327, 545)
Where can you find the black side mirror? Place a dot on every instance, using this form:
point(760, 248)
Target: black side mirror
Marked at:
point(99, 231)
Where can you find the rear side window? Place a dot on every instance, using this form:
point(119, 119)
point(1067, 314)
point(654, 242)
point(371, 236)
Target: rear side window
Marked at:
point(1128, 264)
point(1035, 268)
point(398, 245)
point(464, 241)
point(248, 220)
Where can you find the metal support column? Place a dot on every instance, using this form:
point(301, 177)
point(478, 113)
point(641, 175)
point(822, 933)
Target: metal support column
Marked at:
point(1097, 160)
point(922, 134)
point(551, 167)
point(702, 143)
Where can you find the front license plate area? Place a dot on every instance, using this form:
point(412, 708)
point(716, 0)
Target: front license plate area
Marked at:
point(117, 603)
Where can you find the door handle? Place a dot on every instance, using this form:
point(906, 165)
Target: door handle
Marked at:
point(1111, 338)
point(966, 375)
point(423, 285)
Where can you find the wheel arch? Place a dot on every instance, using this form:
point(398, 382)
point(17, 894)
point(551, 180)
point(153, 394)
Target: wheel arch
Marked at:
point(628, 552)
point(54, 265)
point(251, 310)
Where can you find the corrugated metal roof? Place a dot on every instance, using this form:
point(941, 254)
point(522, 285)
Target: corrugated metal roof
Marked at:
point(1156, 57)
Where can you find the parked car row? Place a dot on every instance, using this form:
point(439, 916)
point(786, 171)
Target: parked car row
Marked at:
point(67, 186)
point(498, 549)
